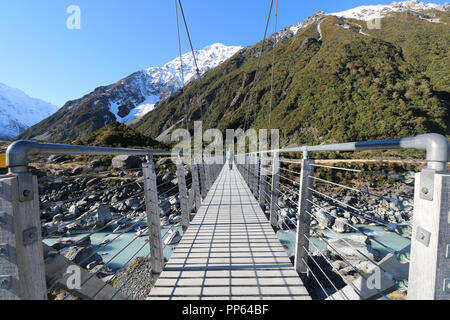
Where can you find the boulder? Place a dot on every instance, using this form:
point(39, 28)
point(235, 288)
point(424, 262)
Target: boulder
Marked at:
point(81, 255)
point(173, 238)
point(348, 248)
point(126, 162)
point(74, 210)
point(325, 220)
point(95, 164)
point(96, 218)
point(68, 242)
point(164, 207)
point(102, 271)
point(93, 181)
point(56, 158)
point(77, 170)
point(340, 225)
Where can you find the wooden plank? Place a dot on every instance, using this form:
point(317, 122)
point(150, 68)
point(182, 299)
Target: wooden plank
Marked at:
point(229, 250)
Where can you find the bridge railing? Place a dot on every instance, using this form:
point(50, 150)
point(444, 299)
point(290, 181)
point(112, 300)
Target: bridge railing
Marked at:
point(398, 222)
point(56, 229)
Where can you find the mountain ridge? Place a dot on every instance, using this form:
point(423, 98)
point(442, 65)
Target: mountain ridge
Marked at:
point(127, 99)
point(18, 111)
point(350, 83)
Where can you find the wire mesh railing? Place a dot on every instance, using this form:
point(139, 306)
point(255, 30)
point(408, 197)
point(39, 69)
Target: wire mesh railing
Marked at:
point(347, 224)
point(99, 225)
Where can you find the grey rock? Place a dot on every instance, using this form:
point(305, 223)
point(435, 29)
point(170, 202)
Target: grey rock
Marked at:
point(56, 158)
point(126, 162)
point(102, 271)
point(78, 170)
point(74, 210)
point(95, 164)
point(93, 181)
point(97, 217)
point(348, 248)
point(340, 225)
point(164, 207)
point(324, 219)
point(81, 255)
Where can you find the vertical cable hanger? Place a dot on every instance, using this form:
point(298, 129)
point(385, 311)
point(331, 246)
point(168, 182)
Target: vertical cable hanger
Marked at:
point(273, 65)
point(192, 47)
point(259, 64)
point(182, 67)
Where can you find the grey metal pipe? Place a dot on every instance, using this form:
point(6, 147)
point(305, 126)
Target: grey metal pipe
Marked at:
point(18, 153)
point(437, 148)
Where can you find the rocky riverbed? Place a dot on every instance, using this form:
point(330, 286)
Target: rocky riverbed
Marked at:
point(87, 198)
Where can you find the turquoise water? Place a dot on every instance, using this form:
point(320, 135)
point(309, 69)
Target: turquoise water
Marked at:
point(390, 239)
point(111, 253)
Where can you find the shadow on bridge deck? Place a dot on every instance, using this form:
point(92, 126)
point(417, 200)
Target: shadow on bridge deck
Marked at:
point(229, 252)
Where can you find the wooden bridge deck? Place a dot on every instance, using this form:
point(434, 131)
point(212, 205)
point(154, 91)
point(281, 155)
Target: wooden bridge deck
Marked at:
point(229, 252)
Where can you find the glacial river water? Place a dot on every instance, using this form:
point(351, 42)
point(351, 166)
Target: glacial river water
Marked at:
point(127, 247)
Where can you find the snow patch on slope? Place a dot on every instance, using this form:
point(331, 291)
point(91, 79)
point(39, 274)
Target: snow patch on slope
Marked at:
point(368, 13)
point(156, 83)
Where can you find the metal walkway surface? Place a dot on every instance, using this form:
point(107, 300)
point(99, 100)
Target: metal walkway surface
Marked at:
point(229, 252)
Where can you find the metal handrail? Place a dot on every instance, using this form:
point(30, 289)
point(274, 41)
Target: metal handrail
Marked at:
point(18, 153)
point(437, 148)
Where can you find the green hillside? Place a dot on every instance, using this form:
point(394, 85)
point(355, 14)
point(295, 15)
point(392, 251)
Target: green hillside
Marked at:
point(347, 87)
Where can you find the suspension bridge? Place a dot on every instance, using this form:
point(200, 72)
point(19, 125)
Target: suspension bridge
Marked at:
point(228, 219)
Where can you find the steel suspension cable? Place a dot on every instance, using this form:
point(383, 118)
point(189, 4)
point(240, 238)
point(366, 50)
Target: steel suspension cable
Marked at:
point(259, 62)
point(181, 65)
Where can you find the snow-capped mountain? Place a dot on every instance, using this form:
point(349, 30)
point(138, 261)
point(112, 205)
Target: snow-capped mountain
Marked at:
point(18, 111)
point(128, 99)
point(160, 82)
point(368, 13)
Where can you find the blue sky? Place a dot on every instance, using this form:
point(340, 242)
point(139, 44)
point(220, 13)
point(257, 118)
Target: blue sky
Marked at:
point(41, 56)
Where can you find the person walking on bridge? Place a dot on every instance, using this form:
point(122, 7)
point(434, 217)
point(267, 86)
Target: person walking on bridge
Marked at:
point(230, 156)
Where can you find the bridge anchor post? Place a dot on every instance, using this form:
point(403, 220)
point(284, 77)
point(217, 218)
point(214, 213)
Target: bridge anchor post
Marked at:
point(429, 269)
point(275, 187)
point(22, 268)
point(181, 177)
point(153, 215)
point(303, 216)
point(263, 187)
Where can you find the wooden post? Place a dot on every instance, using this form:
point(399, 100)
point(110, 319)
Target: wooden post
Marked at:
point(153, 215)
point(208, 178)
point(429, 269)
point(201, 168)
point(303, 218)
point(263, 187)
point(255, 176)
point(247, 169)
point(22, 268)
point(181, 177)
point(275, 192)
point(196, 184)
